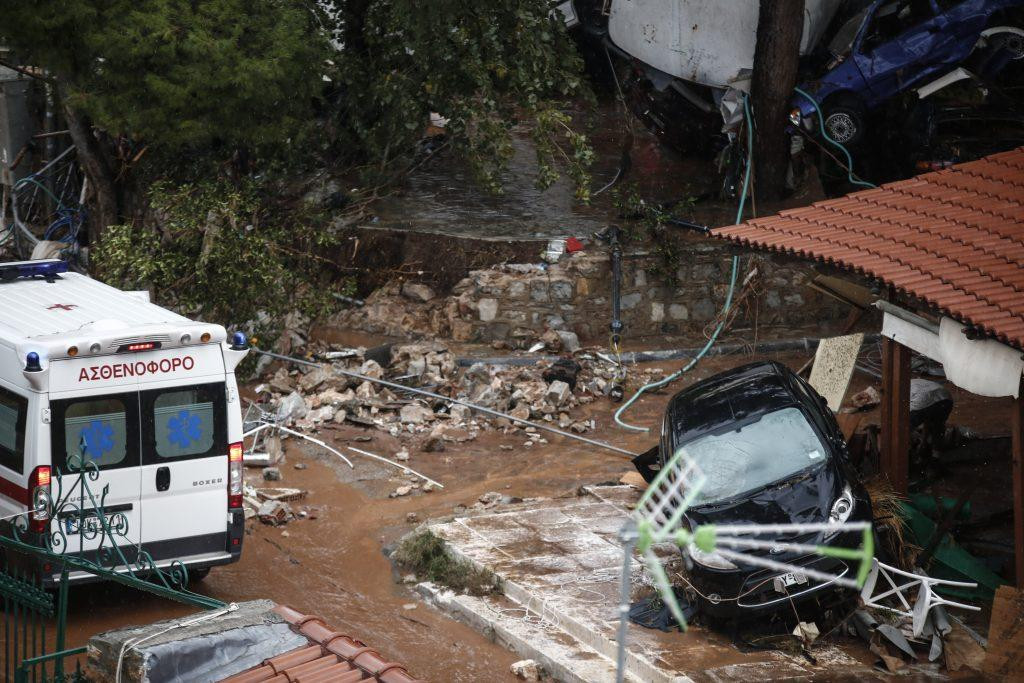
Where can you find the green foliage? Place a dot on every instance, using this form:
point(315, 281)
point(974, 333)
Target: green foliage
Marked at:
point(650, 221)
point(425, 555)
point(217, 254)
point(482, 65)
point(175, 73)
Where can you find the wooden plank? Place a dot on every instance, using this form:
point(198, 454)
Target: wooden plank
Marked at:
point(1017, 427)
point(900, 460)
point(1004, 660)
point(895, 446)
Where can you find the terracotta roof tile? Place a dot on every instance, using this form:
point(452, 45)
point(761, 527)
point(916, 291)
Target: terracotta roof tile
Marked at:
point(331, 657)
point(953, 238)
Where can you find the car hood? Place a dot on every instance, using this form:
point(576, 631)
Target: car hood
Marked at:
point(806, 498)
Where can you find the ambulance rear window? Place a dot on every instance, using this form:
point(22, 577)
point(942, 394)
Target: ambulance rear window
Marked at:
point(13, 409)
point(184, 422)
point(98, 429)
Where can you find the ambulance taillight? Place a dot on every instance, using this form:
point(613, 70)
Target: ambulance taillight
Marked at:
point(235, 475)
point(39, 499)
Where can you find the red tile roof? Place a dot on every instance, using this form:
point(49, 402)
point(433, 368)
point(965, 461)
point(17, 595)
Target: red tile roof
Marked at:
point(329, 658)
point(954, 239)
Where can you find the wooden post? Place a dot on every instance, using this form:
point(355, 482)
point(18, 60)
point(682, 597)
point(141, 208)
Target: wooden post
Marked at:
point(1017, 426)
point(895, 446)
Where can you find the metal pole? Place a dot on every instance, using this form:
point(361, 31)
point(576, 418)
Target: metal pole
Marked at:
point(472, 406)
point(62, 621)
point(616, 325)
point(628, 536)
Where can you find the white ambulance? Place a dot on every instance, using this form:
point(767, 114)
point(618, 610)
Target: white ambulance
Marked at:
point(145, 397)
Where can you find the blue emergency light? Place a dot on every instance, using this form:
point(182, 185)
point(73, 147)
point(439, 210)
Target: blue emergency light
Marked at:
point(239, 342)
point(32, 362)
point(49, 269)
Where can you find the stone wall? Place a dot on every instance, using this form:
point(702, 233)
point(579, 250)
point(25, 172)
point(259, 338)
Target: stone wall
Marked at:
point(516, 303)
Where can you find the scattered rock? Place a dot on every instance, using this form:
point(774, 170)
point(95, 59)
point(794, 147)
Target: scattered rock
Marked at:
point(564, 370)
point(558, 392)
point(417, 292)
point(570, 342)
point(402, 455)
point(490, 499)
point(300, 465)
point(402, 491)
point(291, 407)
point(414, 413)
point(434, 444)
point(460, 412)
point(271, 474)
point(526, 669)
point(412, 518)
point(864, 400)
point(313, 379)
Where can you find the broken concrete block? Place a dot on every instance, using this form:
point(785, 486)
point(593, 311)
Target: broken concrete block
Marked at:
point(271, 474)
point(417, 291)
point(558, 392)
point(275, 513)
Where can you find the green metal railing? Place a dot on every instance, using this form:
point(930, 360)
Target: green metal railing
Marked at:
point(30, 560)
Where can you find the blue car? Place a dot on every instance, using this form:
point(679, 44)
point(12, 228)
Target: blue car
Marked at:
point(892, 46)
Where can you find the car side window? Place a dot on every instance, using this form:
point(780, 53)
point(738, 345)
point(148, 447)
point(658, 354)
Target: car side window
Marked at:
point(13, 412)
point(895, 18)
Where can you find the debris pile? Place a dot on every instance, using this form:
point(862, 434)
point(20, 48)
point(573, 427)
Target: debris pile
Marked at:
point(552, 392)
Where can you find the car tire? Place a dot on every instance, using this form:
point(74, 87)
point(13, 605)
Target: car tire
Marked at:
point(197, 575)
point(844, 122)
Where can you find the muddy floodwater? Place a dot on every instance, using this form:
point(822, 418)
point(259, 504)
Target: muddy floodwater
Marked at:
point(442, 196)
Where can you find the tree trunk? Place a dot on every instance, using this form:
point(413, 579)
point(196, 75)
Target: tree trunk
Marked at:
point(105, 208)
point(776, 58)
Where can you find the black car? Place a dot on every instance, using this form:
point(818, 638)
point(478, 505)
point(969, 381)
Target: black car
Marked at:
point(772, 452)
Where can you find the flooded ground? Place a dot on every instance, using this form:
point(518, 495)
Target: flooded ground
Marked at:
point(335, 566)
point(442, 196)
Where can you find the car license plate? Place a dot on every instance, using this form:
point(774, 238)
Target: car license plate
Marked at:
point(92, 525)
point(790, 579)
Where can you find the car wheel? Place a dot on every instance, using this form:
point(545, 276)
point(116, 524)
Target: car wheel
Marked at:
point(844, 123)
point(197, 575)
point(1010, 42)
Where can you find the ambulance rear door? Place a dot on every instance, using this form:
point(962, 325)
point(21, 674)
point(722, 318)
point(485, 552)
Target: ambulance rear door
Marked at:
point(184, 453)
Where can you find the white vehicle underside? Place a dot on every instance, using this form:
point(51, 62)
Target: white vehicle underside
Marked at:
point(710, 42)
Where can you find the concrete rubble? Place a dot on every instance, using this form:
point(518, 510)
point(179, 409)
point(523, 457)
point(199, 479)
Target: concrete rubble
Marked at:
point(547, 391)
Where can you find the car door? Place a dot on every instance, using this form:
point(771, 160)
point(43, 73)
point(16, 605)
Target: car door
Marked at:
point(95, 453)
point(894, 45)
point(184, 467)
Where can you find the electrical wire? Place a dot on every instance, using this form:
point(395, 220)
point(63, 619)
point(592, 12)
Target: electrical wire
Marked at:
point(854, 180)
point(724, 316)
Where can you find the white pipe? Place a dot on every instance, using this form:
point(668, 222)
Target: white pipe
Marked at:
point(395, 464)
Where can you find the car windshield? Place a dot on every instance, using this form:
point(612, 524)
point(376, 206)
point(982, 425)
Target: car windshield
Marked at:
point(775, 447)
point(842, 41)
